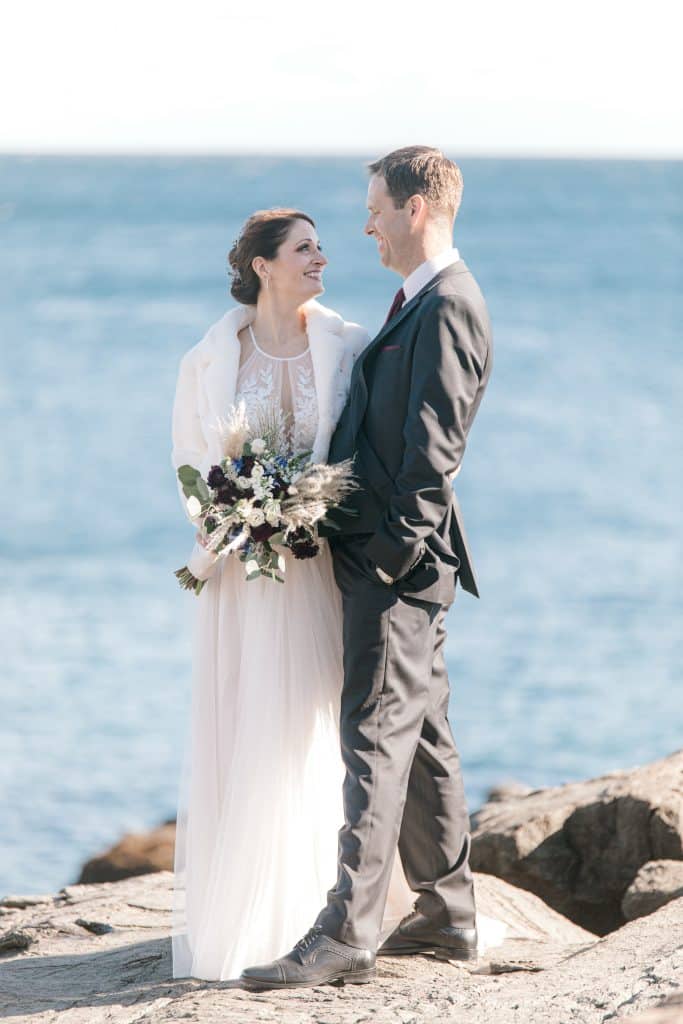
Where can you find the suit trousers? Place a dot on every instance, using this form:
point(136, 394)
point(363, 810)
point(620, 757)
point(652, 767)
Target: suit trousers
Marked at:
point(403, 783)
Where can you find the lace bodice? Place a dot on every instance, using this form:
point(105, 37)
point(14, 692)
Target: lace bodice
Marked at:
point(284, 382)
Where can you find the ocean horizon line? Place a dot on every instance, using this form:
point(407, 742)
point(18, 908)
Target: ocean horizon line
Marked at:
point(324, 154)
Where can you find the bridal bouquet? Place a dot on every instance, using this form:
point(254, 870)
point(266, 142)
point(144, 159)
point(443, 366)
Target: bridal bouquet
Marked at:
point(260, 495)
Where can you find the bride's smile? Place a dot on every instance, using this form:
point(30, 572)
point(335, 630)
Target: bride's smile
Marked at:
point(295, 274)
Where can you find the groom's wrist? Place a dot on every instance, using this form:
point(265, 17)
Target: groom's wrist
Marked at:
point(392, 557)
point(384, 576)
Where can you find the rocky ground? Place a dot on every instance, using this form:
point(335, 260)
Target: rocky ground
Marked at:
point(604, 855)
point(96, 953)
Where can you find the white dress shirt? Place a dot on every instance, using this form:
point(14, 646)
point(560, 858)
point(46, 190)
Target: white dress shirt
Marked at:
point(423, 274)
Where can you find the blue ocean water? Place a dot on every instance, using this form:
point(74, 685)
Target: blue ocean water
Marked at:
point(111, 268)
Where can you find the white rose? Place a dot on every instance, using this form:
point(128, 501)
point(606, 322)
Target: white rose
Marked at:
point(256, 517)
point(243, 482)
point(256, 470)
point(194, 506)
point(258, 446)
point(251, 566)
point(273, 517)
point(292, 489)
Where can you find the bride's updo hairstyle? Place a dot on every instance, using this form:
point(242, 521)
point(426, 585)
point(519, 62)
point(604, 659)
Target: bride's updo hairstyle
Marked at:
point(262, 235)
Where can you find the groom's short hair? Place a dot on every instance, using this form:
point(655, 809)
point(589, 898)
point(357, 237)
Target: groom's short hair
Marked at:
point(424, 171)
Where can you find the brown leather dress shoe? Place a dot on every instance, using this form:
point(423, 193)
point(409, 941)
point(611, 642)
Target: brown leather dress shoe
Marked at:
point(315, 960)
point(419, 934)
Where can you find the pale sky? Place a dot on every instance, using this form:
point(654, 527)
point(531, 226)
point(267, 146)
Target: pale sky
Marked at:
point(517, 77)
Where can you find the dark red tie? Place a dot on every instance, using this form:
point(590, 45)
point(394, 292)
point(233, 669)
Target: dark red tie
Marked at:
point(399, 299)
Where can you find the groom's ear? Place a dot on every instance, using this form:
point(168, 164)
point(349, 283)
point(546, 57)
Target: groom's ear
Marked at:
point(417, 209)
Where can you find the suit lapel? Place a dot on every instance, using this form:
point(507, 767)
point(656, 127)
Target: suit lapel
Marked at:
point(359, 387)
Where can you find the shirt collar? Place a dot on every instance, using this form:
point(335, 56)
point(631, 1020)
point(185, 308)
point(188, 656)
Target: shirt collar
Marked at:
point(423, 274)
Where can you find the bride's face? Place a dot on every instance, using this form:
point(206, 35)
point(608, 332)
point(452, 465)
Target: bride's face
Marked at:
point(297, 270)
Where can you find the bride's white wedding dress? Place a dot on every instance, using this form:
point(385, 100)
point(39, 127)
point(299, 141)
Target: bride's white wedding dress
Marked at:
point(260, 800)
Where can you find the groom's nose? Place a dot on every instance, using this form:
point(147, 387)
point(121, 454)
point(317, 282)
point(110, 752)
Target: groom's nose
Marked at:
point(369, 226)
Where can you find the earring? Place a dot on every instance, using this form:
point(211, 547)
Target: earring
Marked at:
point(267, 283)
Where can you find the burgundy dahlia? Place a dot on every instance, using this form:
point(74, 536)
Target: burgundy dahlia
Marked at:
point(229, 493)
point(216, 477)
point(302, 544)
point(263, 532)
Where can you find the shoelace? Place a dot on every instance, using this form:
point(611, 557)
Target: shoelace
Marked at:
point(309, 937)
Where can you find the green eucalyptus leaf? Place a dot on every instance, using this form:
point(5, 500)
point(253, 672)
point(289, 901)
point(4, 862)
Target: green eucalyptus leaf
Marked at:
point(187, 473)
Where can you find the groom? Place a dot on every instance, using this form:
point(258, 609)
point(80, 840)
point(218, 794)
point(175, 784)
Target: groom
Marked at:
point(398, 553)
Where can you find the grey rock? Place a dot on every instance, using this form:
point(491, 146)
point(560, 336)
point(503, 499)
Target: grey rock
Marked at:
point(15, 939)
point(508, 791)
point(579, 846)
point(95, 927)
point(21, 902)
point(656, 883)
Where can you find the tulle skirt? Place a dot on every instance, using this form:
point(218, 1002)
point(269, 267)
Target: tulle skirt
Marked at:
point(260, 801)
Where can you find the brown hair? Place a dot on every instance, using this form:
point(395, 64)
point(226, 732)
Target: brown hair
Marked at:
point(424, 171)
point(262, 235)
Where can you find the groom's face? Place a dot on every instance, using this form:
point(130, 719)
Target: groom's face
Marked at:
point(388, 226)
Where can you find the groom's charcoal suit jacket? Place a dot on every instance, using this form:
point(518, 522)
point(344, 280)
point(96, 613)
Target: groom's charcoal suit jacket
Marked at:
point(413, 395)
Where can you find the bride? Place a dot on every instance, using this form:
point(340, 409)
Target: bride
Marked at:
point(261, 792)
point(260, 801)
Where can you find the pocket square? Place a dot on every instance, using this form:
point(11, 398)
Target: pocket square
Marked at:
point(389, 348)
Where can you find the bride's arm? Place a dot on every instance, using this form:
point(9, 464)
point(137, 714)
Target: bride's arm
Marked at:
point(190, 448)
point(189, 445)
